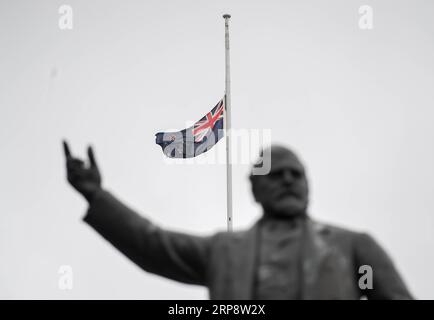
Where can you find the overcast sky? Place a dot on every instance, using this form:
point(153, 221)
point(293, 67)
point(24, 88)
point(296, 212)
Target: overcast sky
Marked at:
point(357, 105)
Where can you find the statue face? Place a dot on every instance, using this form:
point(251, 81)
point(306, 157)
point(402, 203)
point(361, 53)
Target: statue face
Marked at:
point(284, 191)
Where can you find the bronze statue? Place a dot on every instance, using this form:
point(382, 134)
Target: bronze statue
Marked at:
point(284, 255)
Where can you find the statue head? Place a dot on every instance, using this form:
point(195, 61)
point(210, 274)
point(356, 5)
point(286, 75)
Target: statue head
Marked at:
point(283, 192)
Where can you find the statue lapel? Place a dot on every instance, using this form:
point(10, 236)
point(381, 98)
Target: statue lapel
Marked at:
point(314, 252)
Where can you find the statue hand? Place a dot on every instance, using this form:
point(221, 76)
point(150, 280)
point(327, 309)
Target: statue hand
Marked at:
point(85, 179)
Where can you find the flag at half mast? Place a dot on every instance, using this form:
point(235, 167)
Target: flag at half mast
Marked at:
point(198, 138)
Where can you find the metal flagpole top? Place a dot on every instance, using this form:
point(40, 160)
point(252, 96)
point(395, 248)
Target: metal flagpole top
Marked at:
point(226, 16)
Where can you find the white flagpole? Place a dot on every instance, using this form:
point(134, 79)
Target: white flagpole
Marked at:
point(227, 124)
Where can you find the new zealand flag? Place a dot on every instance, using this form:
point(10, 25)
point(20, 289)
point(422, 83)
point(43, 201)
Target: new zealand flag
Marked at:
point(197, 139)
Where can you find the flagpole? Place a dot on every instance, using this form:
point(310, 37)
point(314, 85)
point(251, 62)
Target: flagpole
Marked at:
point(227, 124)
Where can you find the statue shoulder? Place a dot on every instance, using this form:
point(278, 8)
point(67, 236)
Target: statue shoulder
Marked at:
point(225, 237)
point(335, 230)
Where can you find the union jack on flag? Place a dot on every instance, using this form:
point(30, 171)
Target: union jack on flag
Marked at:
point(197, 139)
point(207, 123)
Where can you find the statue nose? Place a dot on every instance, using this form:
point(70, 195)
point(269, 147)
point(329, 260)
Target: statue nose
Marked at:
point(288, 176)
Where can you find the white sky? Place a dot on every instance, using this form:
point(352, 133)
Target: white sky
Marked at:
point(357, 105)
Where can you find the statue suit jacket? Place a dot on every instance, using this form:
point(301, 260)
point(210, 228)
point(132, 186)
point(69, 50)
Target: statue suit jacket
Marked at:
point(226, 262)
